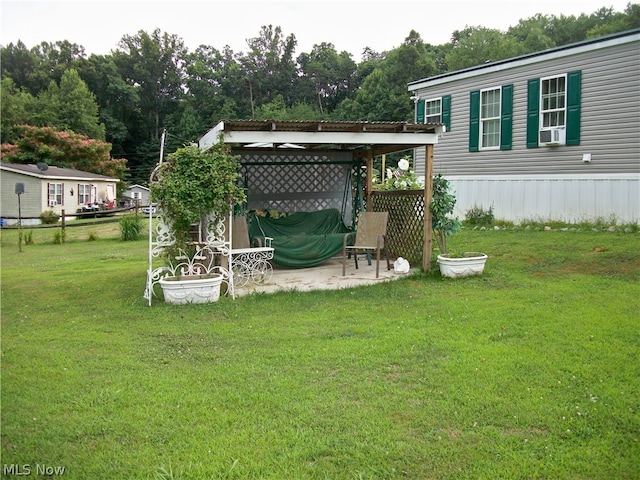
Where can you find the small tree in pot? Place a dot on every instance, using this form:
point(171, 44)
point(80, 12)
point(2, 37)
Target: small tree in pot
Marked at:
point(445, 224)
point(194, 186)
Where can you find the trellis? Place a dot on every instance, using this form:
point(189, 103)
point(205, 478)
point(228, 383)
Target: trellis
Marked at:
point(211, 246)
point(298, 181)
point(405, 230)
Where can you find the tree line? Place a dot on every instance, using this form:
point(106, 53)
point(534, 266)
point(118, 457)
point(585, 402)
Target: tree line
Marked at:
point(151, 82)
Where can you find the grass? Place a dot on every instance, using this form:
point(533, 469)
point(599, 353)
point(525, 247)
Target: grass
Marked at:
point(529, 371)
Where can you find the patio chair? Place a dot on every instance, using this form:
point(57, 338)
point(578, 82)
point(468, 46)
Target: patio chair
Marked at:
point(249, 262)
point(371, 232)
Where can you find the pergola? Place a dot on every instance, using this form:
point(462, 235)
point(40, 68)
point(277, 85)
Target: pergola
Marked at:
point(271, 143)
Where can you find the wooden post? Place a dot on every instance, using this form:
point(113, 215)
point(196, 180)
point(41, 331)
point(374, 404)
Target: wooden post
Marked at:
point(64, 222)
point(369, 184)
point(428, 195)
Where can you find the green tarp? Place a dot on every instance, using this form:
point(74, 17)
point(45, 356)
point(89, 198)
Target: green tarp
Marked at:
point(301, 239)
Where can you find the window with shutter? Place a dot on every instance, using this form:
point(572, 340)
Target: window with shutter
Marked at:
point(420, 104)
point(491, 118)
point(554, 110)
point(474, 121)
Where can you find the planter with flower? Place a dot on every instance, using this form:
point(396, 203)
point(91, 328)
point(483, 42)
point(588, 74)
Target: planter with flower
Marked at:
point(193, 191)
point(453, 265)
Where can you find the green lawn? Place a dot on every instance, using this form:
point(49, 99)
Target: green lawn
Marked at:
point(531, 371)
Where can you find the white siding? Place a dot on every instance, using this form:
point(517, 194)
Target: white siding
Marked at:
point(553, 197)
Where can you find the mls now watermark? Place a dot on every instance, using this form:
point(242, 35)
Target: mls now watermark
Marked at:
point(28, 469)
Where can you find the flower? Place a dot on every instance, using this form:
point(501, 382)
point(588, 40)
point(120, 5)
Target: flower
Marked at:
point(402, 178)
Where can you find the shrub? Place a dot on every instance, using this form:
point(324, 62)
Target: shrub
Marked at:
point(59, 237)
point(442, 205)
point(28, 238)
point(130, 228)
point(479, 216)
point(49, 217)
point(93, 236)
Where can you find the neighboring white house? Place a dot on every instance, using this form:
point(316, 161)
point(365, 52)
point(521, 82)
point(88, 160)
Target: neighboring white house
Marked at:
point(553, 135)
point(52, 188)
point(138, 193)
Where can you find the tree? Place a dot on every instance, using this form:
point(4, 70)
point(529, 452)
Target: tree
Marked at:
point(71, 106)
point(477, 45)
point(20, 65)
point(63, 149)
point(17, 108)
point(118, 102)
point(154, 64)
point(277, 110)
point(383, 93)
point(269, 67)
point(216, 87)
point(534, 33)
point(329, 75)
point(616, 22)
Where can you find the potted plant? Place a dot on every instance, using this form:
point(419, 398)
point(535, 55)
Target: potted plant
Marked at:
point(453, 265)
point(194, 187)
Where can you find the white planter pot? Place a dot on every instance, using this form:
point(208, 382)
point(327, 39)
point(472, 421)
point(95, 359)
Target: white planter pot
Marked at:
point(191, 289)
point(457, 267)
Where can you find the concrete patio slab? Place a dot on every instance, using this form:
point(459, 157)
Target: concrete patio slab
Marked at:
point(327, 276)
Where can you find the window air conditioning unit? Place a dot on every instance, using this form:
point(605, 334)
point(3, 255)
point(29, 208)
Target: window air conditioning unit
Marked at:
point(552, 136)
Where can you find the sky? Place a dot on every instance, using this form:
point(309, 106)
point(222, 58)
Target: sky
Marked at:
point(349, 25)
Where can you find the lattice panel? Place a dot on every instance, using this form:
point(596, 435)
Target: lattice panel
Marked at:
point(300, 182)
point(405, 231)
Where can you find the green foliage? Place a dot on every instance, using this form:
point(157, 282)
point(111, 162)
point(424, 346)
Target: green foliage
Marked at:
point(93, 236)
point(59, 236)
point(49, 217)
point(475, 45)
point(195, 183)
point(17, 107)
point(402, 177)
point(479, 216)
point(28, 238)
point(326, 75)
point(130, 228)
point(71, 106)
point(442, 205)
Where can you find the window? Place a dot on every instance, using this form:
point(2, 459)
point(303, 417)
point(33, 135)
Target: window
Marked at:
point(490, 118)
point(55, 194)
point(554, 110)
point(137, 195)
point(435, 110)
point(553, 95)
point(84, 192)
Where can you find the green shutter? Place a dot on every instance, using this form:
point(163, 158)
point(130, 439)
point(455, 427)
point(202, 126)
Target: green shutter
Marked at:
point(420, 106)
point(446, 112)
point(533, 112)
point(474, 121)
point(506, 118)
point(574, 94)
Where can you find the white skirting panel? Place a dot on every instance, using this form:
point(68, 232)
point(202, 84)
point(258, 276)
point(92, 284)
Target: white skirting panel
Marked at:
point(571, 199)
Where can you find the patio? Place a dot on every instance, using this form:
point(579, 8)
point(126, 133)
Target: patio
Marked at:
point(327, 276)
